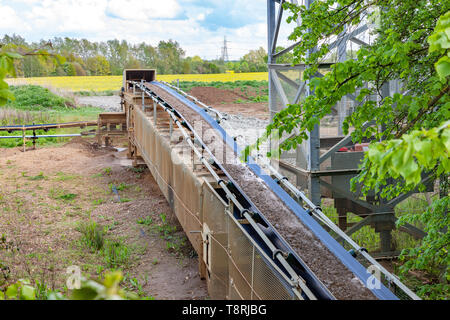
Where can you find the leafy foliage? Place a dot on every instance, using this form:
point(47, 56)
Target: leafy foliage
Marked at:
point(432, 255)
point(411, 46)
point(106, 289)
point(6, 67)
point(399, 52)
point(21, 290)
point(440, 42)
point(9, 55)
point(405, 158)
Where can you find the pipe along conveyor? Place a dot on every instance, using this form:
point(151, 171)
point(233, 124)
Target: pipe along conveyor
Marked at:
point(256, 261)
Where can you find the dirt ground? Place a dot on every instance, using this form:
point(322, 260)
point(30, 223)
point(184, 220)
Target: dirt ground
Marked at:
point(46, 193)
point(227, 101)
point(254, 110)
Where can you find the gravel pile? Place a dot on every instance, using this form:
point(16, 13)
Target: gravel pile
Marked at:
point(246, 129)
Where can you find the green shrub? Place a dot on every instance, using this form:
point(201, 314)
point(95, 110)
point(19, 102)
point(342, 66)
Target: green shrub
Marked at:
point(147, 221)
point(32, 97)
point(116, 254)
point(92, 234)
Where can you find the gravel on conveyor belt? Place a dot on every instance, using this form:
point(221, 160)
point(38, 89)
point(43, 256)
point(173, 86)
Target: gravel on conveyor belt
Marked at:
point(341, 282)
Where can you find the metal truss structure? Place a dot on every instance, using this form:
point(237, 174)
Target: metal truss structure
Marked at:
point(318, 165)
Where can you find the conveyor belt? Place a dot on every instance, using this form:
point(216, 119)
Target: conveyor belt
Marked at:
point(318, 289)
point(325, 238)
point(329, 271)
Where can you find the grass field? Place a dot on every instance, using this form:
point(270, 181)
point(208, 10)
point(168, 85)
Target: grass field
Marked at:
point(106, 83)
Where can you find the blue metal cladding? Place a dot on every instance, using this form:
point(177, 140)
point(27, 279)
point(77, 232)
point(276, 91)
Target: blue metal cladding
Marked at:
point(339, 251)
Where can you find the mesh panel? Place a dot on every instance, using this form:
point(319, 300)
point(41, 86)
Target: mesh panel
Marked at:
point(238, 283)
point(241, 251)
point(266, 283)
point(214, 212)
point(215, 218)
point(219, 265)
point(234, 294)
point(217, 287)
point(239, 272)
point(241, 261)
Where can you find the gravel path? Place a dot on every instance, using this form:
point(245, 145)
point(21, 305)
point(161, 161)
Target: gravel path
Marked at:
point(109, 103)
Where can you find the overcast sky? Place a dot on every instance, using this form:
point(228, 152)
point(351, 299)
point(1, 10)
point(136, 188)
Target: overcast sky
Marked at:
point(198, 25)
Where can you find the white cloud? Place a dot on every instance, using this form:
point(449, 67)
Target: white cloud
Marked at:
point(68, 16)
point(10, 21)
point(192, 23)
point(141, 10)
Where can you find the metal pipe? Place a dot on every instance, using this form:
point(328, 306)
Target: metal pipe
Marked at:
point(42, 136)
point(143, 98)
point(154, 112)
point(48, 126)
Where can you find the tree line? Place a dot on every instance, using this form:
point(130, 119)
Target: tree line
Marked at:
point(81, 57)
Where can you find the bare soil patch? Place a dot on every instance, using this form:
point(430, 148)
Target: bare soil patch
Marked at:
point(46, 193)
point(250, 110)
point(226, 100)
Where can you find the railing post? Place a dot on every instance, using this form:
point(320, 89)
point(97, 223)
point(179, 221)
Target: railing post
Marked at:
point(143, 95)
point(170, 129)
point(24, 142)
point(154, 111)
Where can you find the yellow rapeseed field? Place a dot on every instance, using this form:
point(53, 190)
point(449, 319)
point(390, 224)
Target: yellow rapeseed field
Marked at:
point(103, 83)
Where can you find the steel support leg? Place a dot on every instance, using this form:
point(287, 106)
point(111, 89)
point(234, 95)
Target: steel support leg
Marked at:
point(313, 165)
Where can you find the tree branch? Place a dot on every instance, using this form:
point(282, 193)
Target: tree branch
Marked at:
point(431, 104)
